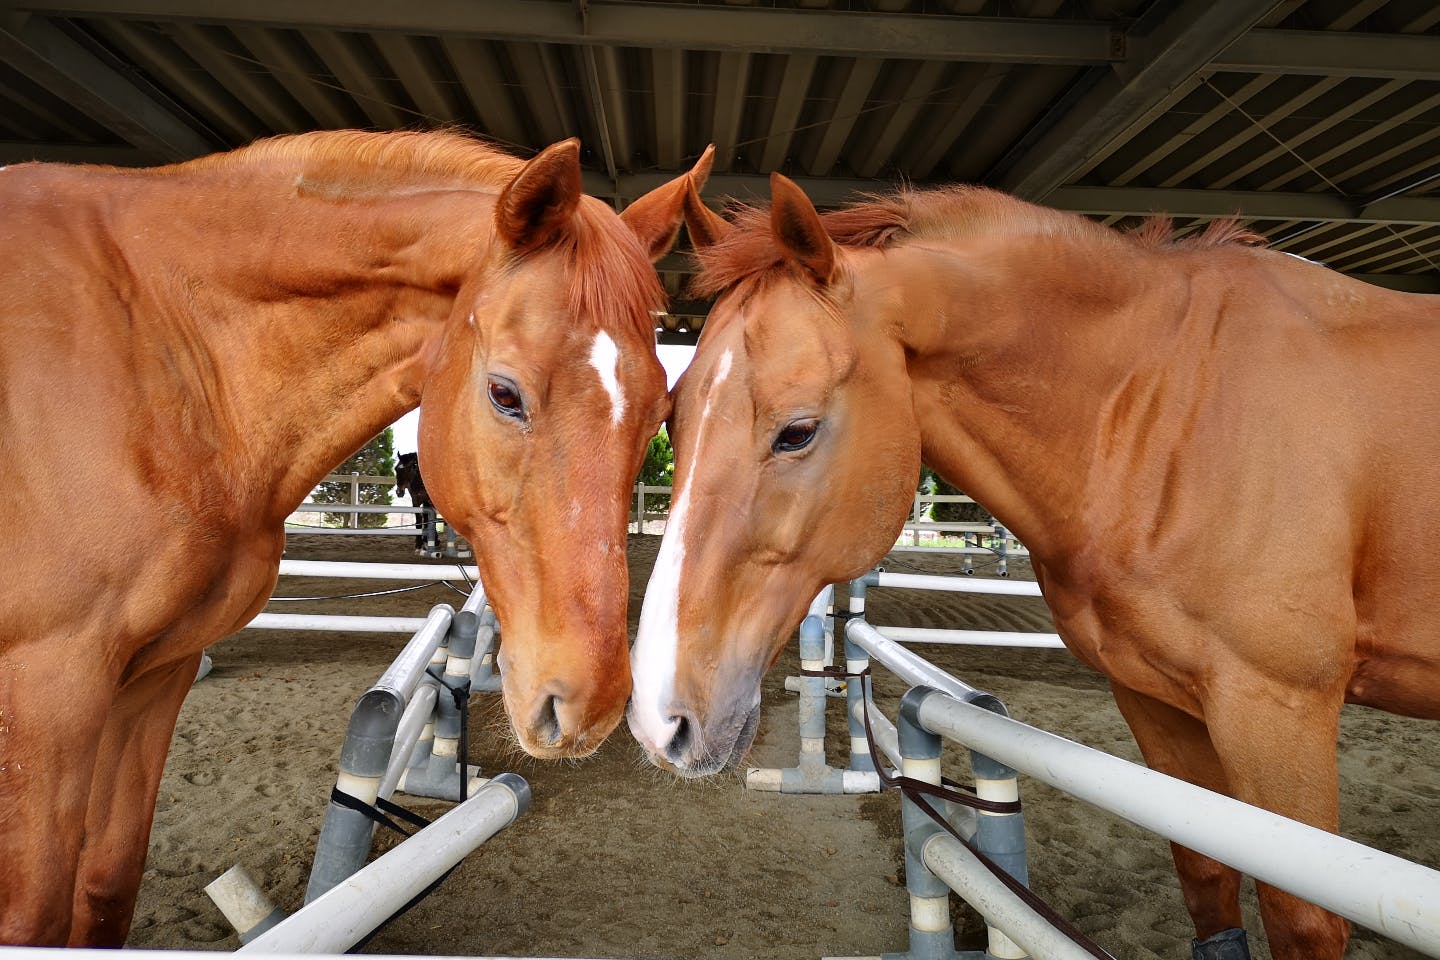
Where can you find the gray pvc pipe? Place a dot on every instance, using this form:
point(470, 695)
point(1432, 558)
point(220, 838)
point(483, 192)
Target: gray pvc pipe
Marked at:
point(340, 918)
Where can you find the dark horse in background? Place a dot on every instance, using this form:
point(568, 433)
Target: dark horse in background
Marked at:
point(407, 478)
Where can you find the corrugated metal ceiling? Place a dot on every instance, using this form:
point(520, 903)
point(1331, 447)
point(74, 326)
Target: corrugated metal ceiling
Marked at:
point(1317, 121)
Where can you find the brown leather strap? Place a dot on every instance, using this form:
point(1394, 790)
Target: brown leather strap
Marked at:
point(917, 790)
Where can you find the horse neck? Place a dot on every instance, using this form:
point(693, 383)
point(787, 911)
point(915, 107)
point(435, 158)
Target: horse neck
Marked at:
point(314, 318)
point(1015, 367)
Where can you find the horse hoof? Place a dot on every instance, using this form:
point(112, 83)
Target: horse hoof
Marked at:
point(1226, 945)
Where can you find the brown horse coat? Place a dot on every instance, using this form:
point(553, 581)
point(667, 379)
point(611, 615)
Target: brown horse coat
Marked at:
point(1145, 417)
point(185, 352)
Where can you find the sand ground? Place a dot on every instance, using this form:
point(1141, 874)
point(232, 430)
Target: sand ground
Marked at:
point(615, 859)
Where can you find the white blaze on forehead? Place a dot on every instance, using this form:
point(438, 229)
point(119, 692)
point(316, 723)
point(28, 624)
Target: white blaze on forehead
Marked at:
point(657, 643)
point(605, 358)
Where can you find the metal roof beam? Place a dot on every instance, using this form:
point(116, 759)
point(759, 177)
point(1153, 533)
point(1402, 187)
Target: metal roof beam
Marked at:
point(854, 92)
point(408, 59)
point(338, 52)
point(1141, 201)
point(789, 101)
point(118, 155)
point(669, 101)
point(731, 81)
point(281, 57)
point(753, 30)
point(1408, 282)
point(1166, 55)
point(45, 54)
point(1102, 201)
point(1332, 54)
point(767, 30)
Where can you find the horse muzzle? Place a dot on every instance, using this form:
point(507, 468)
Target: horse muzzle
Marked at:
point(691, 749)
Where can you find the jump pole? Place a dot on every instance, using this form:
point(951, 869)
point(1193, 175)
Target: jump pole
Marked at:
point(346, 913)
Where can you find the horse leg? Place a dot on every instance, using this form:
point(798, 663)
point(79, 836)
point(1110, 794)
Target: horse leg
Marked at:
point(52, 709)
point(133, 747)
point(1175, 743)
point(1277, 745)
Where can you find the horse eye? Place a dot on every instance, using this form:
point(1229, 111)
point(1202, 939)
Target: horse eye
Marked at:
point(505, 399)
point(795, 436)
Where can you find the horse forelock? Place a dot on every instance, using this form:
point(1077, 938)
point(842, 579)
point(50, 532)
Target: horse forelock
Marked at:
point(612, 281)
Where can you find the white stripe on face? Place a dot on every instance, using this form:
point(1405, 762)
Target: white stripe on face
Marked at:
point(657, 643)
point(605, 358)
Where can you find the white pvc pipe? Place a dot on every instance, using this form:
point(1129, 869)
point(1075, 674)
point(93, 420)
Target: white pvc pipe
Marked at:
point(337, 920)
point(377, 571)
point(353, 531)
point(914, 669)
point(1011, 554)
point(403, 675)
point(919, 581)
point(1377, 890)
point(335, 622)
point(355, 508)
point(886, 737)
point(928, 526)
point(974, 638)
point(822, 602)
point(952, 862)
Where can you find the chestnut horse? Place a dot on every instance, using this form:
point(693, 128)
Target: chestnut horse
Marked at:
point(185, 351)
point(408, 479)
point(1111, 399)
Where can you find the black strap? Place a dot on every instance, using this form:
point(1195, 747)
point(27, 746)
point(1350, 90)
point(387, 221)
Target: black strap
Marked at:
point(916, 791)
point(378, 810)
point(460, 693)
point(377, 813)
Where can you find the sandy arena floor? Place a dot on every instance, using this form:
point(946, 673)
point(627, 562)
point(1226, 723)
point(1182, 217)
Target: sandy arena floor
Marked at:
point(616, 859)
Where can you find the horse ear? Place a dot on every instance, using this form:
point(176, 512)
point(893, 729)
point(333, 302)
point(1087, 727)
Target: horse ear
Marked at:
point(655, 217)
point(539, 202)
point(705, 225)
point(799, 233)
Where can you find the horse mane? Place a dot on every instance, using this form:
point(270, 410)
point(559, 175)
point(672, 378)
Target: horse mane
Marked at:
point(612, 278)
point(1158, 232)
point(359, 162)
point(747, 254)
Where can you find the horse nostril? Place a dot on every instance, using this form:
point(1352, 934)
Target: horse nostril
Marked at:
point(547, 721)
point(680, 742)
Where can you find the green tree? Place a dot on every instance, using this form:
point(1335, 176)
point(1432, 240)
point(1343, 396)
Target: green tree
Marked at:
point(658, 469)
point(932, 483)
point(375, 459)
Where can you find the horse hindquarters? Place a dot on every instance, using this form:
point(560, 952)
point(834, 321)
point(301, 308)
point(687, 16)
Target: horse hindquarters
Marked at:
point(121, 808)
point(1281, 758)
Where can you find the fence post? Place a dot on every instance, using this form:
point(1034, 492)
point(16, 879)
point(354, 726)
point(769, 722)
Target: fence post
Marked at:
point(639, 506)
point(931, 935)
point(354, 521)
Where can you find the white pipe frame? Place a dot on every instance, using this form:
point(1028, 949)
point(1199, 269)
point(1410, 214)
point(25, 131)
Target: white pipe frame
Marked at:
point(342, 916)
point(1377, 890)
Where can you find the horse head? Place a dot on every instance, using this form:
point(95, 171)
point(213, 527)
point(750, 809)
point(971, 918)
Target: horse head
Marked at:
point(533, 424)
point(792, 392)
